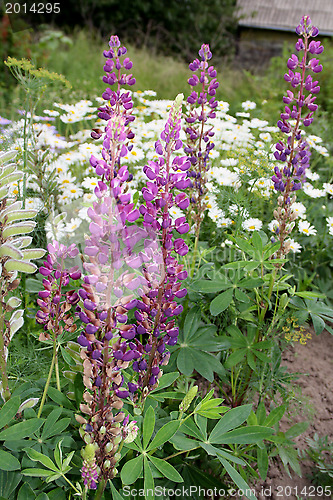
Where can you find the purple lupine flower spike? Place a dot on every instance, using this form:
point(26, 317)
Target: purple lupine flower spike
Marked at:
point(54, 313)
point(107, 290)
point(202, 106)
point(157, 306)
point(294, 151)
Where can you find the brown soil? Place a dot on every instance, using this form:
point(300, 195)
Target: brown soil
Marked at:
point(315, 404)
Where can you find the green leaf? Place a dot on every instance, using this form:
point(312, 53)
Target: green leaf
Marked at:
point(42, 496)
point(191, 429)
point(78, 388)
point(318, 323)
point(257, 242)
point(33, 285)
point(192, 321)
point(148, 481)
point(34, 472)
point(22, 429)
point(262, 458)
point(33, 253)
point(205, 364)
point(8, 250)
point(212, 450)
point(39, 457)
point(166, 469)
point(235, 357)
point(296, 430)
point(166, 380)
point(274, 416)
point(180, 442)
point(251, 361)
point(164, 434)
point(9, 480)
point(9, 410)
point(185, 361)
point(26, 493)
point(21, 266)
point(221, 302)
point(115, 494)
point(59, 398)
point(245, 435)
point(210, 286)
point(20, 228)
point(251, 283)
point(237, 478)
point(310, 295)
point(232, 419)
point(148, 426)
point(49, 423)
point(8, 461)
point(22, 214)
point(58, 455)
point(132, 470)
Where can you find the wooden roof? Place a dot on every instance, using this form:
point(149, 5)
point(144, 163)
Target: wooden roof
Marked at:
point(285, 15)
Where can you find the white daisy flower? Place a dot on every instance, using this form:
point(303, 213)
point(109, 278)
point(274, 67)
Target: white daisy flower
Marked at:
point(265, 136)
point(236, 210)
point(299, 209)
point(329, 221)
point(248, 105)
point(176, 212)
point(252, 224)
point(223, 222)
point(328, 188)
point(90, 183)
point(305, 227)
point(313, 176)
point(66, 179)
point(71, 226)
point(273, 225)
point(51, 112)
point(73, 192)
point(313, 192)
point(294, 246)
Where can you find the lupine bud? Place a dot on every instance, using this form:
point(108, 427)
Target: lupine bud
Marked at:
point(185, 404)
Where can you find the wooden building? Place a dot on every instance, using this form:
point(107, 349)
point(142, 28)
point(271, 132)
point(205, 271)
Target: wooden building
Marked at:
point(264, 26)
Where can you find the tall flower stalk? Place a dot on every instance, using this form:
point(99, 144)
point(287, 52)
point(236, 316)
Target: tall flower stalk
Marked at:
point(294, 151)
point(202, 106)
point(157, 307)
point(107, 291)
point(56, 303)
point(15, 256)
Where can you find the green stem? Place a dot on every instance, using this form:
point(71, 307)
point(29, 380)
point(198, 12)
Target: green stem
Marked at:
point(3, 364)
point(70, 483)
point(57, 371)
point(179, 453)
point(195, 252)
point(54, 354)
point(100, 490)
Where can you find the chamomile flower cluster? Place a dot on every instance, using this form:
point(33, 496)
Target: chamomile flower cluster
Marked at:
point(242, 162)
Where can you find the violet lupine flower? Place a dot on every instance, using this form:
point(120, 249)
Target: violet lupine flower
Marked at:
point(202, 106)
point(55, 305)
point(107, 293)
point(89, 469)
point(157, 307)
point(294, 151)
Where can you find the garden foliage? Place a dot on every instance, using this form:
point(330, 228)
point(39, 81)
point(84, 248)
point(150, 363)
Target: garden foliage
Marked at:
point(165, 363)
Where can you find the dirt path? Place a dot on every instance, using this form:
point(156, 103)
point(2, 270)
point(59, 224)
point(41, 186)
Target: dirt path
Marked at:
point(315, 404)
